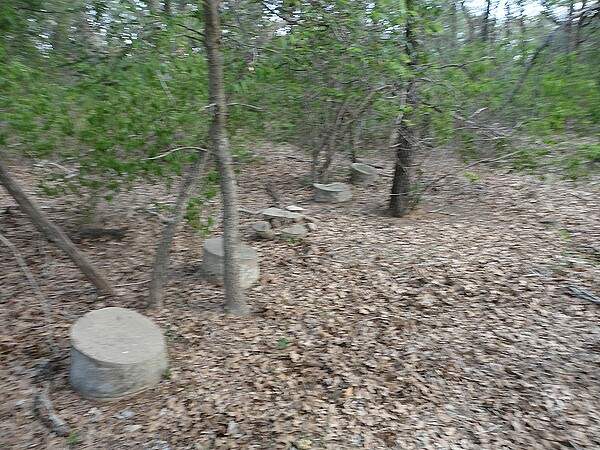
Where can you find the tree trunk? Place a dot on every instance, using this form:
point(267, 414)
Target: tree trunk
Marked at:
point(400, 197)
point(53, 233)
point(485, 26)
point(569, 27)
point(163, 250)
point(453, 25)
point(580, 21)
point(235, 302)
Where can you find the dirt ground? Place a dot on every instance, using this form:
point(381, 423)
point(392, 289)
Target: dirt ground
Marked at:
point(454, 328)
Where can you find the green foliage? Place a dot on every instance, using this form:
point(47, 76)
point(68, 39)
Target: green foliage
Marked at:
point(472, 177)
point(283, 343)
point(73, 438)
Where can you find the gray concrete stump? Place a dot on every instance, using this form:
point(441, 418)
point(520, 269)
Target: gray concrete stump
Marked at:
point(363, 174)
point(332, 193)
point(213, 257)
point(115, 353)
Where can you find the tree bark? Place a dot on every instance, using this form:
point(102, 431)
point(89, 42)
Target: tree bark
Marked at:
point(53, 233)
point(163, 250)
point(400, 197)
point(485, 26)
point(235, 302)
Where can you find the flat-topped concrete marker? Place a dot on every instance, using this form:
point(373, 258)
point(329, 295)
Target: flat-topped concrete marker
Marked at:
point(332, 193)
point(212, 263)
point(363, 174)
point(115, 353)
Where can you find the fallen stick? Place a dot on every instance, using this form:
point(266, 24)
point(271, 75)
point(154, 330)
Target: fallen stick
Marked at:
point(53, 233)
point(583, 294)
point(43, 409)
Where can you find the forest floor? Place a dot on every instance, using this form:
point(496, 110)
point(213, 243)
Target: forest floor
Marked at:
point(456, 327)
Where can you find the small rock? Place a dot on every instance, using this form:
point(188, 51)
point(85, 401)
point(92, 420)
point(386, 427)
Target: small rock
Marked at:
point(95, 414)
point(233, 428)
point(263, 230)
point(303, 444)
point(157, 445)
point(294, 232)
point(125, 414)
point(294, 208)
point(312, 226)
point(132, 428)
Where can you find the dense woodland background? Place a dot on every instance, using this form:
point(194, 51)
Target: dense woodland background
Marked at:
point(451, 304)
point(110, 85)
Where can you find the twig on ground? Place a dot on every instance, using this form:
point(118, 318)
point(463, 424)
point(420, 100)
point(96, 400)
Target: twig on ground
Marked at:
point(583, 294)
point(163, 155)
point(43, 409)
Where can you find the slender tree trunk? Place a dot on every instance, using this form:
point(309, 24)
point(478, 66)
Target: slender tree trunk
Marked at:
point(580, 21)
point(163, 250)
point(522, 29)
point(53, 233)
point(453, 25)
point(400, 197)
point(485, 26)
point(235, 302)
point(469, 20)
point(569, 27)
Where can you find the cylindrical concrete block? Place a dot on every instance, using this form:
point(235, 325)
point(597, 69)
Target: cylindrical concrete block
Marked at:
point(363, 174)
point(332, 193)
point(213, 257)
point(116, 352)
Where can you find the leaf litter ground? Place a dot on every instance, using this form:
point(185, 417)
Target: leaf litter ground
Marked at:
point(453, 328)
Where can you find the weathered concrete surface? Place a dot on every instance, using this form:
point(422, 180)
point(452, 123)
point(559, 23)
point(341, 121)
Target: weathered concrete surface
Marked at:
point(363, 174)
point(116, 352)
point(297, 231)
point(212, 262)
point(332, 193)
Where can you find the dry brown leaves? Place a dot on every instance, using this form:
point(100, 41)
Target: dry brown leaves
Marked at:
point(446, 329)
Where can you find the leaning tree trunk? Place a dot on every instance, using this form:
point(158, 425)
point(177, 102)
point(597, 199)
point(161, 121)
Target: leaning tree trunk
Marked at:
point(235, 302)
point(163, 250)
point(53, 233)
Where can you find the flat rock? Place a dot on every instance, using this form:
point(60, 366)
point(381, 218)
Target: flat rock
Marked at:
point(263, 229)
point(332, 193)
point(213, 256)
point(296, 231)
point(281, 215)
point(115, 352)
